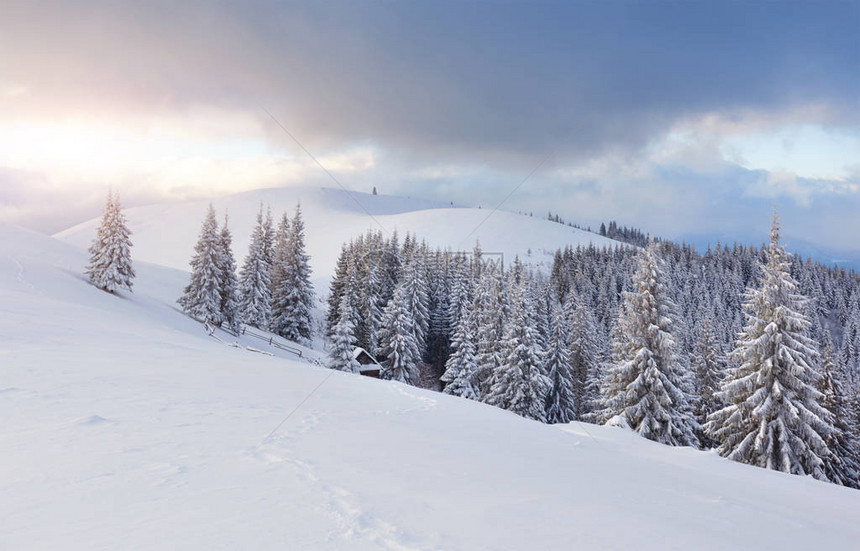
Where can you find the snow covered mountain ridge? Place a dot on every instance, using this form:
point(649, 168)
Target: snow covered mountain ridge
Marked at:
point(165, 234)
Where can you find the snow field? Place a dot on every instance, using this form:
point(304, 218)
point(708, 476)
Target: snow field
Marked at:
point(126, 426)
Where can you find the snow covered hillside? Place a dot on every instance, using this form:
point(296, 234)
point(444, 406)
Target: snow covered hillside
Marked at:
point(126, 426)
point(165, 234)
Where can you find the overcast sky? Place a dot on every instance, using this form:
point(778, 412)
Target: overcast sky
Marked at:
point(683, 118)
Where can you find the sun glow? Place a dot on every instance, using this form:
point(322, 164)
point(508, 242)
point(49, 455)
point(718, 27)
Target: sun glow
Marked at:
point(188, 157)
point(86, 150)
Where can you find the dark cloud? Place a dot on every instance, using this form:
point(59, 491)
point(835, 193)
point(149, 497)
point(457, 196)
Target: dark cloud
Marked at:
point(480, 81)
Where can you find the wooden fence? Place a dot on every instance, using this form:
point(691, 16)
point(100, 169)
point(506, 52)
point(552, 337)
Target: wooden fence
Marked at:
point(271, 340)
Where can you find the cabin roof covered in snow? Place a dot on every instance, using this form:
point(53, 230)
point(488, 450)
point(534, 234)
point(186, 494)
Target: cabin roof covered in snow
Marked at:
point(372, 366)
point(359, 350)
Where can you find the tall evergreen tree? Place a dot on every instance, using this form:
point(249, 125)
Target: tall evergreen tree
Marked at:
point(229, 284)
point(439, 331)
point(202, 296)
point(280, 253)
point(850, 350)
point(584, 356)
point(774, 418)
point(337, 287)
point(110, 266)
point(417, 297)
point(370, 310)
point(397, 339)
point(707, 368)
point(645, 385)
point(561, 401)
point(293, 295)
point(343, 342)
point(519, 384)
point(491, 315)
point(842, 465)
point(461, 290)
point(460, 367)
point(255, 293)
point(269, 238)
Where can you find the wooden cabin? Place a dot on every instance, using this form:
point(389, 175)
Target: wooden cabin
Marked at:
point(369, 366)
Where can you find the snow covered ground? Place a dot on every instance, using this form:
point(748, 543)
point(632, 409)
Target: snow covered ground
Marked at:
point(165, 234)
point(126, 426)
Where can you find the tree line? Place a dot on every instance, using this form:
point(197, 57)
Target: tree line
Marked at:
point(749, 350)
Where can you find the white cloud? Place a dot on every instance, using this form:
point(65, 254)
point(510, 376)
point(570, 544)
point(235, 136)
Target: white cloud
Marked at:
point(810, 141)
point(778, 184)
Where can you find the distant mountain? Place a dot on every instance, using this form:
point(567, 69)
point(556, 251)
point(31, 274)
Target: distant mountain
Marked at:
point(825, 255)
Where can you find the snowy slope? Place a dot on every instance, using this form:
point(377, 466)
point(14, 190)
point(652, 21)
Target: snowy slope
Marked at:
point(125, 426)
point(165, 234)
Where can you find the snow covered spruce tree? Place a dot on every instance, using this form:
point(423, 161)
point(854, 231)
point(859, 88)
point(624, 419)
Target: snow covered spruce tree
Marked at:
point(561, 402)
point(397, 338)
point(774, 418)
point(519, 384)
point(255, 282)
point(417, 296)
point(368, 295)
point(707, 366)
point(343, 272)
point(584, 356)
point(293, 294)
point(279, 254)
point(202, 297)
point(489, 305)
point(644, 386)
point(229, 284)
point(110, 265)
point(440, 328)
point(461, 365)
point(849, 354)
point(842, 466)
point(269, 238)
point(343, 341)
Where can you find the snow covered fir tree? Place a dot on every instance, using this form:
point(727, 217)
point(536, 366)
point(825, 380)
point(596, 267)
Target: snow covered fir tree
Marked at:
point(707, 365)
point(843, 464)
point(561, 401)
point(399, 343)
point(110, 267)
point(460, 366)
point(774, 417)
point(203, 298)
point(342, 352)
point(583, 354)
point(292, 295)
point(229, 285)
point(273, 290)
point(645, 386)
point(518, 383)
point(255, 280)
